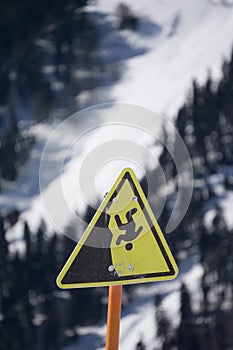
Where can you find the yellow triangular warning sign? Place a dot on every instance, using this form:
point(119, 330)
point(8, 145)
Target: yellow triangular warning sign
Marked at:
point(123, 243)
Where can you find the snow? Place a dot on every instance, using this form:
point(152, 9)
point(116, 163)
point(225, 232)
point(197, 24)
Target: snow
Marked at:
point(181, 40)
point(161, 78)
point(227, 209)
point(177, 41)
point(138, 318)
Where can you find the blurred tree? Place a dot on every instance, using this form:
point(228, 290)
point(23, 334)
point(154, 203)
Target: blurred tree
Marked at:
point(187, 336)
point(126, 18)
point(140, 345)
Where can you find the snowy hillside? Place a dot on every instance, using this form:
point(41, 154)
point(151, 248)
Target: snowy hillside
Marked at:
point(175, 42)
point(179, 45)
point(138, 319)
point(184, 39)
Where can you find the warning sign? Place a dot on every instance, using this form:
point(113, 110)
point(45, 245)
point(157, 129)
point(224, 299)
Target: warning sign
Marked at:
point(123, 244)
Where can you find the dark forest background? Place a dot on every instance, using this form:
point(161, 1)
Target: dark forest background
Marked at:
point(34, 313)
point(42, 43)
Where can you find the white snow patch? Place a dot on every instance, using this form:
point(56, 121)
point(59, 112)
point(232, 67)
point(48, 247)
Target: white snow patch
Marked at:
point(138, 319)
point(227, 209)
point(160, 78)
point(183, 38)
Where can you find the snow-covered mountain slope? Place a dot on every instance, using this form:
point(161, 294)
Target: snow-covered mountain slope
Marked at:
point(181, 39)
point(138, 319)
point(185, 39)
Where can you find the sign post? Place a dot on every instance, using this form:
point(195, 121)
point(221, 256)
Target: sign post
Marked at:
point(123, 244)
point(114, 315)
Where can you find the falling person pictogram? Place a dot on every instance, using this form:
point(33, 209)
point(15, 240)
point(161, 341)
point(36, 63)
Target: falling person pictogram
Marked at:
point(130, 228)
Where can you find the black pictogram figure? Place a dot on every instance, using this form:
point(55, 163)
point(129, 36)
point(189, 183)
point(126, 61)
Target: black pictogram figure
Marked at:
point(129, 227)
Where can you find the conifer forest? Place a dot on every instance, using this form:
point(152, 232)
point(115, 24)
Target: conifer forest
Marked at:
point(52, 64)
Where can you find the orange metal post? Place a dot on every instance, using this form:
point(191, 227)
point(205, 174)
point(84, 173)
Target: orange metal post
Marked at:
point(114, 315)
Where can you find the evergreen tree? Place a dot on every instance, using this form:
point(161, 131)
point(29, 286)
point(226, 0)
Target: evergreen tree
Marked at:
point(185, 305)
point(162, 321)
point(140, 345)
point(186, 336)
